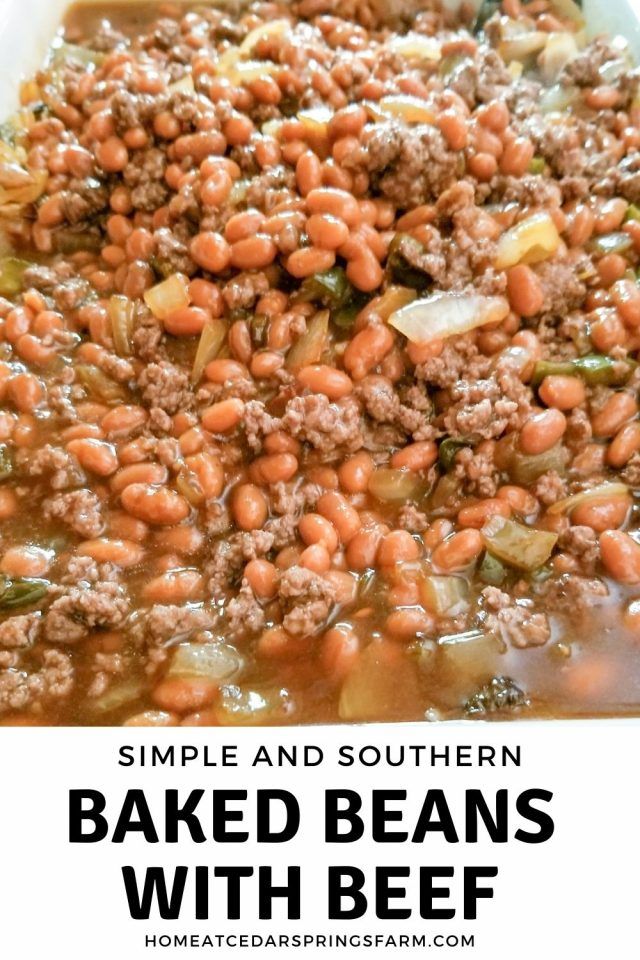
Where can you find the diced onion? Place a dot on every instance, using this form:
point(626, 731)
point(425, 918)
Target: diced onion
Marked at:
point(211, 339)
point(183, 85)
point(169, 295)
point(604, 491)
point(214, 661)
point(315, 119)
point(382, 685)
point(250, 707)
point(246, 71)
point(521, 47)
point(310, 346)
point(529, 241)
point(523, 547)
point(473, 653)
point(121, 314)
point(447, 315)
point(569, 9)
point(28, 192)
point(561, 47)
point(274, 28)
point(389, 485)
point(558, 98)
point(404, 106)
point(443, 595)
point(416, 46)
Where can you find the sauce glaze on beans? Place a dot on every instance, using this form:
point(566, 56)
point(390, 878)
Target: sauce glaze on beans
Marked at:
point(236, 485)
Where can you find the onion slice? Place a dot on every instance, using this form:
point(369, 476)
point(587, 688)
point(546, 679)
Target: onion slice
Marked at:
point(403, 106)
point(604, 491)
point(534, 239)
point(447, 315)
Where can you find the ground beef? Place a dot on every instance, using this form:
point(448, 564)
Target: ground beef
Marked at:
point(563, 290)
point(79, 509)
point(258, 423)
point(584, 69)
point(459, 357)
point(20, 631)
point(480, 79)
point(573, 595)
point(83, 200)
point(477, 471)
point(631, 472)
point(282, 529)
point(164, 624)
point(582, 542)
point(382, 403)
point(307, 600)
point(19, 688)
point(412, 519)
point(244, 613)
point(518, 624)
point(550, 487)
point(329, 427)
point(165, 386)
point(241, 292)
point(227, 557)
point(269, 187)
point(410, 165)
point(73, 615)
point(479, 411)
point(61, 468)
point(144, 175)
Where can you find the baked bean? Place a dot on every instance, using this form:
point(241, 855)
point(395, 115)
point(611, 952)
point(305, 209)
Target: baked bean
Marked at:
point(123, 527)
point(336, 508)
point(25, 392)
point(249, 507)
point(209, 472)
point(262, 577)
point(253, 253)
point(344, 584)
point(180, 694)
point(398, 546)
point(243, 225)
point(458, 551)
point(123, 553)
point(609, 215)
point(625, 443)
point(308, 172)
point(274, 468)
point(316, 558)
point(541, 431)
point(97, 456)
point(336, 202)
point(174, 586)
point(154, 504)
point(186, 540)
point(524, 291)
point(153, 473)
point(320, 378)
point(519, 499)
point(225, 371)
point(309, 260)
point(626, 297)
point(327, 231)
point(25, 561)
point(408, 623)
point(123, 420)
point(314, 528)
point(152, 718)
point(367, 349)
point(476, 514)
point(517, 156)
point(354, 474)
point(8, 503)
point(210, 251)
point(222, 416)
point(281, 442)
point(562, 392)
point(362, 548)
point(605, 514)
point(364, 271)
point(621, 556)
point(339, 651)
point(415, 456)
point(186, 321)
point(112, 155)
point(619, 408)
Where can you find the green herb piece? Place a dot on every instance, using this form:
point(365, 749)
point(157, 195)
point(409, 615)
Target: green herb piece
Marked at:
point(498, 695)
point(22, 592)
point(447, 451)
point(537, 165)
point(11, 272)
point(404, 251)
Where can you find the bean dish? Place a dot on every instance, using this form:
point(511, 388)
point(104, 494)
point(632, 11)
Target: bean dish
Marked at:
point(319, 333)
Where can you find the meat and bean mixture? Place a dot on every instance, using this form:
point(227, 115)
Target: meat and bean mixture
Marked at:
point(319, 335)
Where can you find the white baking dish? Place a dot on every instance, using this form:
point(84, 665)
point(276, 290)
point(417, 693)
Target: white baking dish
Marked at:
point(28, 26)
